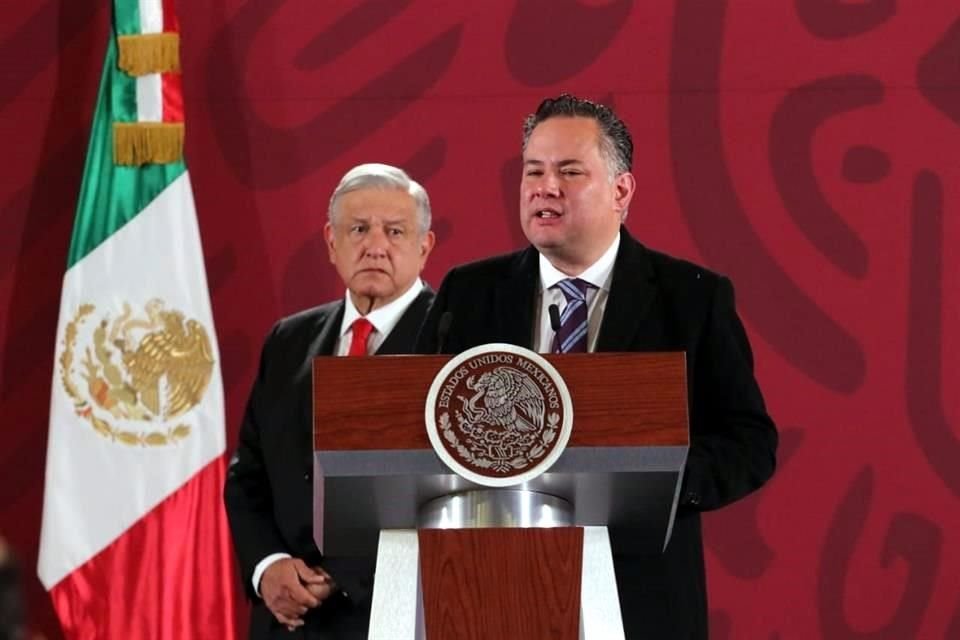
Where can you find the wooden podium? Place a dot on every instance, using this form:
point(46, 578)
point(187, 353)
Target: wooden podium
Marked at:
point(458, 560)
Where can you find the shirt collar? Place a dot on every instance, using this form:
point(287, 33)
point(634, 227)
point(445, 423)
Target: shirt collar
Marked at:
point(384, 318)
point(597, 274)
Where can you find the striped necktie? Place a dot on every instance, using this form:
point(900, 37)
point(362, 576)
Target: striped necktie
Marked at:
point(572, 336)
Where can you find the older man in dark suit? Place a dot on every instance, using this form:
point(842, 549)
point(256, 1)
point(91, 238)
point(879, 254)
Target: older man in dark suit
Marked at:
point(378, 236)
point(614, 294)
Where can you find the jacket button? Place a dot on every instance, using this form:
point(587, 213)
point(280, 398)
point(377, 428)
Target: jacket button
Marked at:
point(306, 476)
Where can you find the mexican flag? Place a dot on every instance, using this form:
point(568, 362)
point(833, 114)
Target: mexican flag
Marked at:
point(134, 542)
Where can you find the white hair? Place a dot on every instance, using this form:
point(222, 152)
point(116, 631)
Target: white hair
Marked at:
point(383, 176)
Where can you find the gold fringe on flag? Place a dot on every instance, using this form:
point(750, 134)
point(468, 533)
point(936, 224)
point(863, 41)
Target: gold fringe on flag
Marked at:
point(149, 53)
point(137, 143)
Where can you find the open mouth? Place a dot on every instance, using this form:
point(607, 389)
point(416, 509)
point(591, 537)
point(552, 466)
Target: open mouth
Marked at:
point(547, 214)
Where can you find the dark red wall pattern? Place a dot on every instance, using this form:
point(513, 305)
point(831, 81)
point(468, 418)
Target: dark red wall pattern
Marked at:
point(810, 150)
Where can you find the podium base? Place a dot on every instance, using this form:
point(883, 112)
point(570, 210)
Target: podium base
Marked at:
point(600, 615)
point(398, 598)
point(397, 608)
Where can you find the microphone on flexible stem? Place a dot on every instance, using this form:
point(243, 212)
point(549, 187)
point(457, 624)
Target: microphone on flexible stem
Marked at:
point(443, 328)
point(554, 312)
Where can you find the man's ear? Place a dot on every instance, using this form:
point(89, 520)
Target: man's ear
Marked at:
point(427, 242)
point(624, 185)
point(329, 237)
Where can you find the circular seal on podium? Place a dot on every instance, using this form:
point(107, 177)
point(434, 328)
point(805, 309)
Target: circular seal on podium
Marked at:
point(498, 415)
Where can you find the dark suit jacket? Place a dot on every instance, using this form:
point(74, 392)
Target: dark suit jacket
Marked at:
point(268, 492)
point(656, 303)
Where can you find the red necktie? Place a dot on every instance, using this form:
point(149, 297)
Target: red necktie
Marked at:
point(361, 330)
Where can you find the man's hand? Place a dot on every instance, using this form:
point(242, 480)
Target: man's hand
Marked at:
point(290, 588)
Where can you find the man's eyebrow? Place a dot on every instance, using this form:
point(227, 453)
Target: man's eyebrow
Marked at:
point(561, 163)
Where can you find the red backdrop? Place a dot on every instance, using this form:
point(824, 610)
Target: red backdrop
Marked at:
point(809, 149)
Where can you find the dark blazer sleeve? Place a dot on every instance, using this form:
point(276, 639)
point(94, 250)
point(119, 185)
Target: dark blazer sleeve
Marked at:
point(247, 494)
point(733, 440)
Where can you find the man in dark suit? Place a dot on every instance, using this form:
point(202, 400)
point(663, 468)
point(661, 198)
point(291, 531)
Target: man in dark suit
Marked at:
point(614, 294)
point(378, 236)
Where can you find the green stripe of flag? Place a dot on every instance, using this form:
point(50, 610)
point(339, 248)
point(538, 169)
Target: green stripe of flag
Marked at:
point(126, 17)
point(122, 90)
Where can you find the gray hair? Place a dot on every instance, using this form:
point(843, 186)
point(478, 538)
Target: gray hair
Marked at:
point(616, 145)
point(383, 176)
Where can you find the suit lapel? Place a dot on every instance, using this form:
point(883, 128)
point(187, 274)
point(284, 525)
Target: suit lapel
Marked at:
point(327, 332)
point(404, 334)
point(632, 293)
point(517, 298)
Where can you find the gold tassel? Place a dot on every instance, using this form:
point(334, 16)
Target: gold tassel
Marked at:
point(149, 53)
point(137, 143)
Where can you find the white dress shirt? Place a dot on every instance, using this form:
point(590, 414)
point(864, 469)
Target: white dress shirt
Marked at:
point(383, 319)
point(599, 274)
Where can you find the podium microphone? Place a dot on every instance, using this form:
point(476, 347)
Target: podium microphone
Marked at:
point(554, 312)
point(443, 328)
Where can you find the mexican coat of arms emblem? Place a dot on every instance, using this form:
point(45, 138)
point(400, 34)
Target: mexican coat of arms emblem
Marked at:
point(135, 376)
point(498, 414)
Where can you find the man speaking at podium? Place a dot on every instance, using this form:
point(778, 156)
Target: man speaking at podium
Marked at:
point(586, 285)
point(378, 236)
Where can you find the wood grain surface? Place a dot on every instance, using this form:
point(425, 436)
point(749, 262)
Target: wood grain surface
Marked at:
point(501, 583)
point(619, 399)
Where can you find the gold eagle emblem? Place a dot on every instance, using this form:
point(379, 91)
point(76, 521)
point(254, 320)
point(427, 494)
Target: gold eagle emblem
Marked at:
point(151, 367)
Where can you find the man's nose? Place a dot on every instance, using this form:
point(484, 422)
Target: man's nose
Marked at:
point(376, 243)
point(549, 186)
